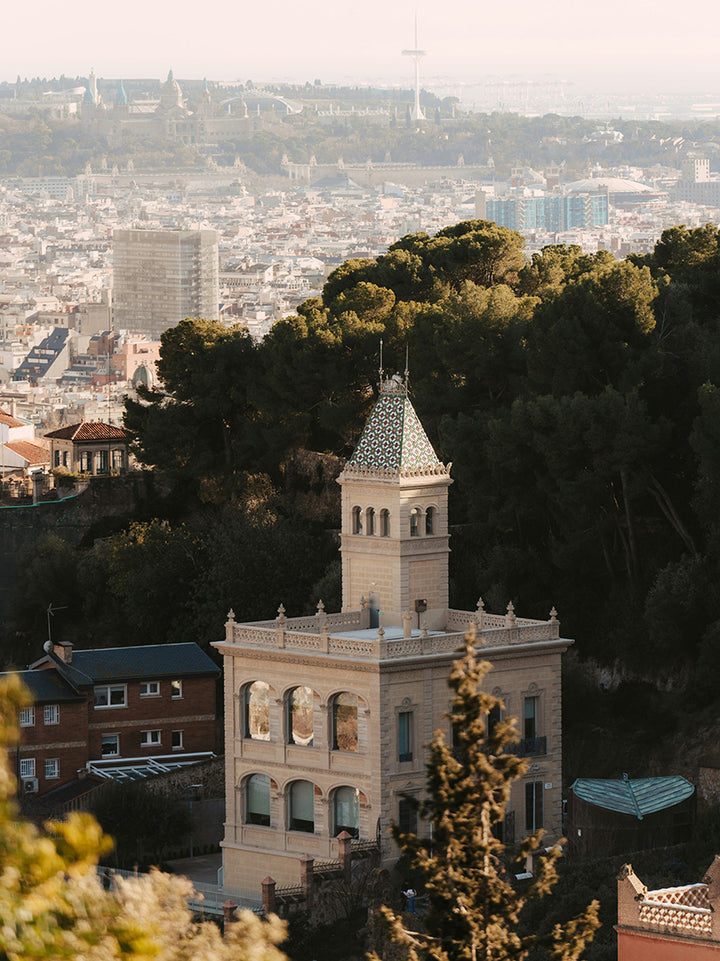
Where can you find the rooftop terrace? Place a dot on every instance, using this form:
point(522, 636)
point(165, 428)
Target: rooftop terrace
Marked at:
point(348, 634)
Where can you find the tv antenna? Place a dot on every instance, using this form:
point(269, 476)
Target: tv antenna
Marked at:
point(50, 612)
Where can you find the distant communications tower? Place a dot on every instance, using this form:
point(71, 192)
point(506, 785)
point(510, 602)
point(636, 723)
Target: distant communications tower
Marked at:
point(417, 55)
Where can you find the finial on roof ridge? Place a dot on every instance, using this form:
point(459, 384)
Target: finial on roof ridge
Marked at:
point(393, 386)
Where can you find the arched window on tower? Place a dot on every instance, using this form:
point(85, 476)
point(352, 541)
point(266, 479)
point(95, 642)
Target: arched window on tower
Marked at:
point(370, 521)
point(430, 520)
point(257, 800)
point(346, 811)
point(384, 523)
point(300, 716)
point(415, 522)
point(301, 807)
point(356, 520)
point(257, 711)
point(345, 722)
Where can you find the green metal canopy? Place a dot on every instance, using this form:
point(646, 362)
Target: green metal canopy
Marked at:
point(635, 796)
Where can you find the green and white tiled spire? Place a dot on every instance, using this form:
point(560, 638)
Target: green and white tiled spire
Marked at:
point(394, 441)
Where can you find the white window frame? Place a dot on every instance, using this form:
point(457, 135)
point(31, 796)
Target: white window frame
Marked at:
point(176, 685)
point(52, 768)
point(27, 717)
point(150, 738)
point(177, 735)
point(51, 714)
point(27, 767)
point(109, 690)
point(115, 753)
point(149, 688)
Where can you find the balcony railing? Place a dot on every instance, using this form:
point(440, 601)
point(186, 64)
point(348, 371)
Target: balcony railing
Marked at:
point(529, 747)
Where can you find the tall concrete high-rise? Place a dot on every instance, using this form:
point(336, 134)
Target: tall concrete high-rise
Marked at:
point(163, 276)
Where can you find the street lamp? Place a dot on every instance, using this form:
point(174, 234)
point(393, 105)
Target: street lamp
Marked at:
point(189, 797)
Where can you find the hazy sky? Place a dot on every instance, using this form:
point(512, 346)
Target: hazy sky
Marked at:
point(653, 44)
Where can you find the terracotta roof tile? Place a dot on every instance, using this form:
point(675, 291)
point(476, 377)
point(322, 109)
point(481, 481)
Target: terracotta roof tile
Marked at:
point(89, 430)
point(9, 421)
point(32, 453)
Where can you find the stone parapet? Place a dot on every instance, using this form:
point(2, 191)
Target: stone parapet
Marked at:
point(304, 634)
point(686, 910)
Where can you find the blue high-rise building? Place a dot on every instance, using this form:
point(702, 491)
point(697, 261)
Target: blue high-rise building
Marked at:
point(549, 212)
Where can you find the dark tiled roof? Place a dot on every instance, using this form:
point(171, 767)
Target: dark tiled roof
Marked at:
point(637, 797)
point(88, 430)
point(48, 686)
point(149, 661)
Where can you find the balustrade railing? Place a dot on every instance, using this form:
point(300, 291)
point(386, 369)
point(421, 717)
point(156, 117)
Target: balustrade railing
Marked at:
point(319, 633)
point(529, 747)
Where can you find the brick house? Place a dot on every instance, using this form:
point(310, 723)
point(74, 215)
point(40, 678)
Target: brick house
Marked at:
point(113, 712)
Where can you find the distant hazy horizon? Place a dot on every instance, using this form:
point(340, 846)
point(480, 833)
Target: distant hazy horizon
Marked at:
point(638, 46)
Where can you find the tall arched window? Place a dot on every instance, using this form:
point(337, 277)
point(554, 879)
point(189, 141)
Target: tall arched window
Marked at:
point(356, 520)
point(346, 811)
point(370, 521)
point(415, 522)
point(300, 716)
point(257, 711)
point(301, 808)
point(384, 523)
point(430, 520)
point(345, 722)
point(257, 800)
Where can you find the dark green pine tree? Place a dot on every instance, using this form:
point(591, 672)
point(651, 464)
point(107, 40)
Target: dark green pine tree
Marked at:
point(474, 905)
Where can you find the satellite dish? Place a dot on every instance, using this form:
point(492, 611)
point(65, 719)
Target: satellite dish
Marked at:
point(48, 647)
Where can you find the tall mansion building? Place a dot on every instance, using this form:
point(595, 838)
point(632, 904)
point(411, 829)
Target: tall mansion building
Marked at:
point(327, 717)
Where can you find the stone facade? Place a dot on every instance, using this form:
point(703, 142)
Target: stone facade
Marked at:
point(89, 447)
point(327, 717)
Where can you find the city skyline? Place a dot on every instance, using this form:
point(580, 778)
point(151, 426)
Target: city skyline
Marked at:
point(644, 46)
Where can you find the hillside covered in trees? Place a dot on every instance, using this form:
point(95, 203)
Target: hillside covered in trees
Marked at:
point(337, 122)
point(577, 397)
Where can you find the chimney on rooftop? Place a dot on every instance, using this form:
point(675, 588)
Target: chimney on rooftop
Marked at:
point(63, 650)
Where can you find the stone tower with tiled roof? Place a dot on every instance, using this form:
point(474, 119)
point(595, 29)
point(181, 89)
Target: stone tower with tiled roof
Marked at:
point(395, 543)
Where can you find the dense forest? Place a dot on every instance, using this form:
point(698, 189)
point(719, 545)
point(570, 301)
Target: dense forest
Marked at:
point(575, 395)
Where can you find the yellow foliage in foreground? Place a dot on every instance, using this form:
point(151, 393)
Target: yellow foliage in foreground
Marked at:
point(53, 904)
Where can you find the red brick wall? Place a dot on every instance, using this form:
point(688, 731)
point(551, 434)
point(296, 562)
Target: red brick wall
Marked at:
point(193, 714)
point(76, 739)
point(66, 741)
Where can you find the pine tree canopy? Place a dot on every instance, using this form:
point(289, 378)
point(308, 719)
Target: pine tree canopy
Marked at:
point(474, 902)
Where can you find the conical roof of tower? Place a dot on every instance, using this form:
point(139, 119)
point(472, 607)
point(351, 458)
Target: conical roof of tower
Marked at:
point(394, 441)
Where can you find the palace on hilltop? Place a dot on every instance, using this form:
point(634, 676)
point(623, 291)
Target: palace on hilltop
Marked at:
point(327, 717)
